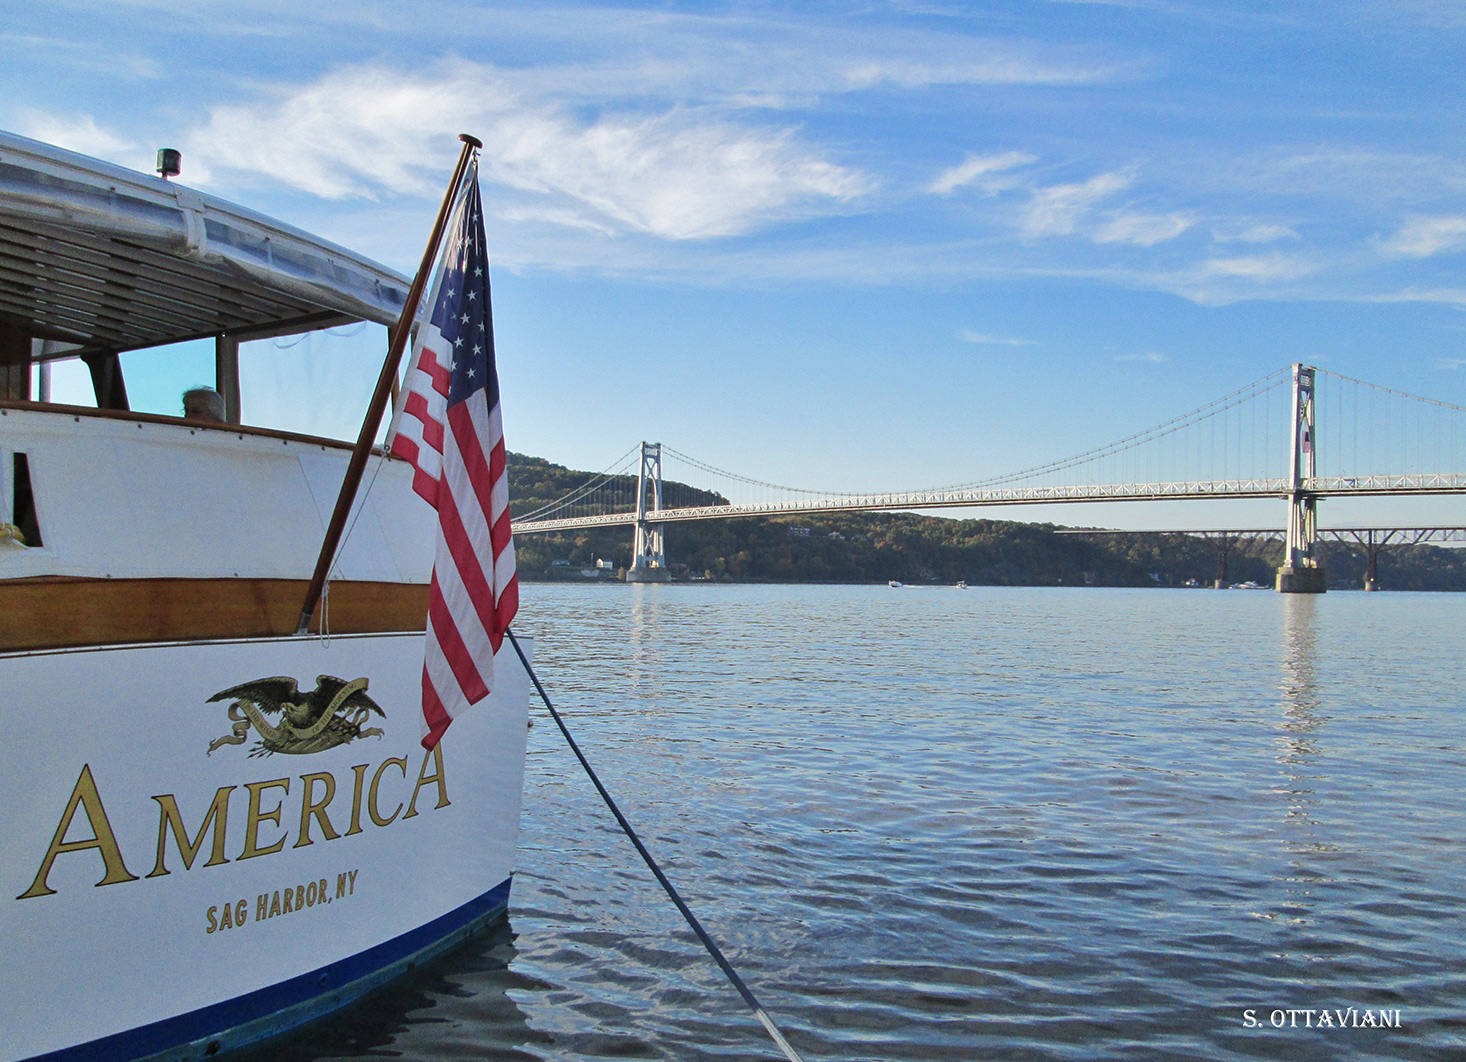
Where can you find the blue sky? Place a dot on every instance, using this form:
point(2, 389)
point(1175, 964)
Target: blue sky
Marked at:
point(854, 246)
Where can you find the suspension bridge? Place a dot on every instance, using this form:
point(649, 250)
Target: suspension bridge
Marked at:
point(1301, 435)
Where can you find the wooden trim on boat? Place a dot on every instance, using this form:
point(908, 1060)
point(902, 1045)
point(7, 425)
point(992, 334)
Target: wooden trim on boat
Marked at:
point(154, 418)
point(53, 612)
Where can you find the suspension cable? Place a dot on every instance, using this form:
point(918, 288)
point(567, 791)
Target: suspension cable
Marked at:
point(1245, 394)
point(695, 463)
point(596, 481)
point(1398, 394)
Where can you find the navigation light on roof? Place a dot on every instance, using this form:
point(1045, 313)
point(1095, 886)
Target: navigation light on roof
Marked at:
point(170, 162)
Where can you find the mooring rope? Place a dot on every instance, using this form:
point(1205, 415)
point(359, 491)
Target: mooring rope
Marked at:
point(707, 941)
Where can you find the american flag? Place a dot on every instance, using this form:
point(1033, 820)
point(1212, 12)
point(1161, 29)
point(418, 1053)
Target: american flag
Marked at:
point(451, 429)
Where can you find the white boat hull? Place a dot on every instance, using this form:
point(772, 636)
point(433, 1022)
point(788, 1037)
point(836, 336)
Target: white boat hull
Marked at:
point(318, 876)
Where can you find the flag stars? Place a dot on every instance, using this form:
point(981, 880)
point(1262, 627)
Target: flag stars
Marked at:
point(465, 297)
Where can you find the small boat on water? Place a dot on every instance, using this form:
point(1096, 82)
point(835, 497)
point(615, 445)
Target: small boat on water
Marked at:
point(893, 582)
point(215, 828)
point(962, 584)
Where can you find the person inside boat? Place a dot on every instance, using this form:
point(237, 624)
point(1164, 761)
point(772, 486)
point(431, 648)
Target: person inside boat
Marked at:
point(203, 404)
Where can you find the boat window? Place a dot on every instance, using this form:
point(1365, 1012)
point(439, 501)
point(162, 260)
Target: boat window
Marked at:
point(157, 376)
point(70, 383)
point(316, 383)
point(22, 501)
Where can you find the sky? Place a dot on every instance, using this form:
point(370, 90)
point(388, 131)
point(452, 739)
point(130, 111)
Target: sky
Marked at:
point(849, 246)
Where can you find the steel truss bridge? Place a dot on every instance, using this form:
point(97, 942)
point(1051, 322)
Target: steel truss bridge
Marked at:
point(1262, 441)
point(1371, 540)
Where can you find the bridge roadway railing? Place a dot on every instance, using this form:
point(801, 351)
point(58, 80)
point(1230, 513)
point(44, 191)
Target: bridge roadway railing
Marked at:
point(1347, 535)
point(1322, 486)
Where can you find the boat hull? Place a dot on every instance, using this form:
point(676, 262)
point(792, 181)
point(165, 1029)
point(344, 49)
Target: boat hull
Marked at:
point(188, 872)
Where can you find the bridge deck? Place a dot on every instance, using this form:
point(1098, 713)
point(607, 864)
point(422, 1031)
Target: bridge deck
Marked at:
point(1319, 487)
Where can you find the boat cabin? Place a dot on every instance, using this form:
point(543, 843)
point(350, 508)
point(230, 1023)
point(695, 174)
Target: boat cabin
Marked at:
point(127, 521)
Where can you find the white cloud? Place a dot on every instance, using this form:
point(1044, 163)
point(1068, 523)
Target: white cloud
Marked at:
point(682, 173)
point(986, 63)
point(1057, 210)
point(1065, 209)
point(1333, 173)
point(1256, 233)
point(1425, 236)
point(76, 132)
point(969, 336)
point(356, 132)
point(1440, 296)
point(671, 175)
point(976, 167)
point(568, 219)
point(770, 60)
point(1451, 364)
point(1257, 267)
point(1151, 356)
point(1144, 230)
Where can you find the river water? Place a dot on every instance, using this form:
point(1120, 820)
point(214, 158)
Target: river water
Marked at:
point(929, 823)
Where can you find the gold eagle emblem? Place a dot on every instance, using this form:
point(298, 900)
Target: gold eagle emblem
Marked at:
point(329, 715)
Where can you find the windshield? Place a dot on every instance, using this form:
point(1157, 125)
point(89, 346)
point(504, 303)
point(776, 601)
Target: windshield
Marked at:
point(315, 383)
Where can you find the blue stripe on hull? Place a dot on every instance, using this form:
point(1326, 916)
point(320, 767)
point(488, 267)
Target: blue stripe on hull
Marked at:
point(268, 1011)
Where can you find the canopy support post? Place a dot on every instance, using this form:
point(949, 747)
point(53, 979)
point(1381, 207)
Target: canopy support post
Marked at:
point(15, 361)
point(226, 374)
point(107, 382)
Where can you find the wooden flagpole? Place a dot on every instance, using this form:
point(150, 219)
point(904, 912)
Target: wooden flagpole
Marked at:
point(385, 382)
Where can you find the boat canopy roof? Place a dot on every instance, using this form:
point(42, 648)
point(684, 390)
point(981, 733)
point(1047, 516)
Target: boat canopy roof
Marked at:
point(97, 257)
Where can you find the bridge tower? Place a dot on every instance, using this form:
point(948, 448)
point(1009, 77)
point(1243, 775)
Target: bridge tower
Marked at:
point(648, 552)
point(1302, 571)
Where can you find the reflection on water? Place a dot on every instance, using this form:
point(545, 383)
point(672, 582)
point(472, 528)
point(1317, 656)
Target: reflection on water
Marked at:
point(1301, 715)
point(1300, 660)
point(641, 631)
point(1002, 823)
point(461, 1000)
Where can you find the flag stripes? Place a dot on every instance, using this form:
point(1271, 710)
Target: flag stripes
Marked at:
point(449, 426)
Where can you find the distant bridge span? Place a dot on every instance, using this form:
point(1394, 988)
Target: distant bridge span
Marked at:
point(1318, 487)
point(1237, 444)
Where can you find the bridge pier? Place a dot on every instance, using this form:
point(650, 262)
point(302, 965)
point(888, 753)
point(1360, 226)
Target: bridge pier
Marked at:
point(1303, 580)
point(1372, 550)
point(648, 546)
point(1302, 571)
point(1223, 543)
point(1375, 541)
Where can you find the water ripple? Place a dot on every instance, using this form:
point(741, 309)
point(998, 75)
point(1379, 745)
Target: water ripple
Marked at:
point(1011, 824)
